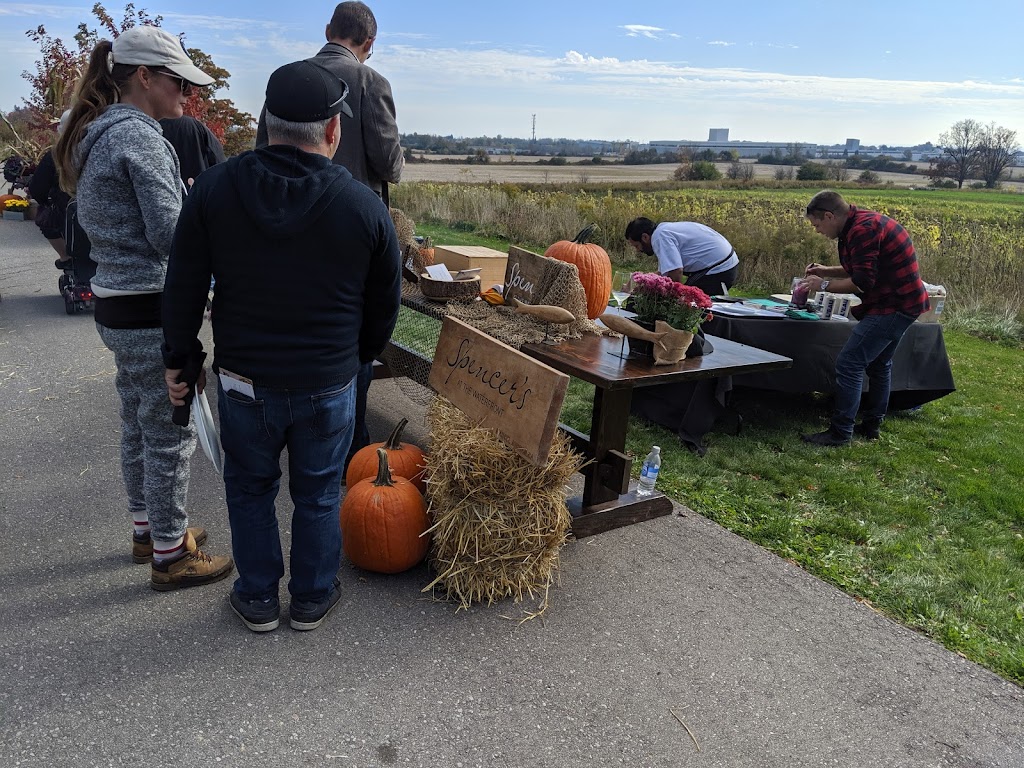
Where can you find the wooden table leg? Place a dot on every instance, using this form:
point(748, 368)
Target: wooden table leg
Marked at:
point(608, 427)
point(607, 500)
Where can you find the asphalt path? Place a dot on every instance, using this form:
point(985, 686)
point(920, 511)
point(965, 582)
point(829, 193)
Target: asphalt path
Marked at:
point(660, 637)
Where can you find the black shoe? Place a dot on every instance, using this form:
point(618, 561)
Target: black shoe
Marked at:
point(306, 615)
point(869, 428)
point(257, 615)
point(829, 438)
point(63, 264)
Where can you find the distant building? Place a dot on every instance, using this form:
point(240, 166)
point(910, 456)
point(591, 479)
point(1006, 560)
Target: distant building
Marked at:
point(743, 148)
point(718, 134)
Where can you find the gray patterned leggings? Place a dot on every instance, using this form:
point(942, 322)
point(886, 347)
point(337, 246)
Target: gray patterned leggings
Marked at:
point(155, 452)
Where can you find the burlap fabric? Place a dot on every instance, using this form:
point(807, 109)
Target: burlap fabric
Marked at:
point(560, 286)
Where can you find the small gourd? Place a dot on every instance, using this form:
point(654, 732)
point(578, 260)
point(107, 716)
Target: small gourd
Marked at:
point(383, 522)
point(427, 252)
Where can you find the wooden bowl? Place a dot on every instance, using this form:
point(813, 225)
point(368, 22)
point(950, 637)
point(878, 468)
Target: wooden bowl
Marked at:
point(453, 290)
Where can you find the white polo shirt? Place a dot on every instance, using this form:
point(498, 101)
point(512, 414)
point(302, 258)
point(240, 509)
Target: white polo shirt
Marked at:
point(691, 247)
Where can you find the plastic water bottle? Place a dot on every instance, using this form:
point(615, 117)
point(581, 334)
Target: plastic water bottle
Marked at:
point(649, 472)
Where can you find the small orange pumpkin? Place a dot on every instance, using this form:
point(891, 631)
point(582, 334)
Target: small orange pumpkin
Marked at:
point(405, 459)
point(383, 520)
point(594, 266)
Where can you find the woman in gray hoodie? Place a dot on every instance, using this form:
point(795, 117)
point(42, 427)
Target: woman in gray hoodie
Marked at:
point(113, 155)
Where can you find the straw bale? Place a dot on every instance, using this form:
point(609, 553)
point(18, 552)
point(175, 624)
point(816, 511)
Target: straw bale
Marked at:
point(404, 228)
point(498, 520)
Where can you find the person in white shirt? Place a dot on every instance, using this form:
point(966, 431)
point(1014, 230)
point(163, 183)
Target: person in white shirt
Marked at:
point(687, 252)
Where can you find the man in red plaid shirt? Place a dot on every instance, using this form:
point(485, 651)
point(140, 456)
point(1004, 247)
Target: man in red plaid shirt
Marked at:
point(878, 263)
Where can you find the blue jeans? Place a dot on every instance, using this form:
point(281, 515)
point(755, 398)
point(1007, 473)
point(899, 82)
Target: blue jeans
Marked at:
point(316, 427)
point(868, 350)
point(361, 434)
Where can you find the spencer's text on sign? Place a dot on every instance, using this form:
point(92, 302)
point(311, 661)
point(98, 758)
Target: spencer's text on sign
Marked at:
point(499, 387)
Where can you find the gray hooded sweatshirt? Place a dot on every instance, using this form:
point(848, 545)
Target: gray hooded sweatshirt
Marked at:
point(129, 198)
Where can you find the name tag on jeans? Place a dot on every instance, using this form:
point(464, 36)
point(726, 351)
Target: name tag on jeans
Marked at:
point(232, 382)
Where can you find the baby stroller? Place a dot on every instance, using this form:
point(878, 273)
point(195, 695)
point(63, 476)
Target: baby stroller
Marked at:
point(74, 283)
point(18, 172)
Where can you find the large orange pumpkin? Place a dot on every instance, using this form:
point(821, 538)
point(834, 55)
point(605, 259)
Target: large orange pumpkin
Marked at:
point(383, 520)
point(594, 265)
point(405, 460)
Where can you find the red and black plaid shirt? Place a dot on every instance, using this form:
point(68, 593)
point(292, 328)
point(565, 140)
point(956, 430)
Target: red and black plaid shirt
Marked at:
point(879, 257)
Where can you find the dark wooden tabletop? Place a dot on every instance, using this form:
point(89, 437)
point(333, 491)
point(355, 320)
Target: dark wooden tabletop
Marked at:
point(595, 359)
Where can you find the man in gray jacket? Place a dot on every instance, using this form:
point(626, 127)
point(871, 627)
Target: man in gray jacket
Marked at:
point(370, 147)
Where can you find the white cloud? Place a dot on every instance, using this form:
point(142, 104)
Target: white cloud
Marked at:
point(35, 11)
point(721, 42)
point(190, 21)
point(642, 30)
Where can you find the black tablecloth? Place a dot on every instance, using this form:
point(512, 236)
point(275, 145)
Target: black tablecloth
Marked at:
point(920, 371)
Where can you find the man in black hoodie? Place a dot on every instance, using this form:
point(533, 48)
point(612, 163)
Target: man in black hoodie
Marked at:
point(307, 266)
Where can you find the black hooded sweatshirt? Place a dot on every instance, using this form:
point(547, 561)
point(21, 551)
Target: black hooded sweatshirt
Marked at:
point(307, 269)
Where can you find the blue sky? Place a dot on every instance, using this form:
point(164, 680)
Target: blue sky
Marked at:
point(892, 73)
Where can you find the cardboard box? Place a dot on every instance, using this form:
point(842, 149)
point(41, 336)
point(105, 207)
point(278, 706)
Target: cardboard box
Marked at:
point(937, 302)
point(492, 263)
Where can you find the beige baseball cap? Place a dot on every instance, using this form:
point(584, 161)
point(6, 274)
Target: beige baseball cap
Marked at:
point(153, 47)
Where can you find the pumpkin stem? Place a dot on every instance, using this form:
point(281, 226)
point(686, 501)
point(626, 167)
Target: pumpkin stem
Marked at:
point(383, 470)
point(394, 442)
point(584, 234)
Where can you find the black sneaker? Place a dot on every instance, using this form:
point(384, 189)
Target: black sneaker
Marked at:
point(869, 428)
point(62, 264)
point(829, 438)
point(257, 615)
point(306, 615)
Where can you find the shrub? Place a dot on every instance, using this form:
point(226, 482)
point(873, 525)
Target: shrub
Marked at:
point(740, 171)
point(702, 170)
point(837, 171)
point(812, 172)
point(868, 177)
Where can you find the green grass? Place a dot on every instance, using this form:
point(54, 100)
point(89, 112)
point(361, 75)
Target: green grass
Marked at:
point(459, 236)
point(926, 525)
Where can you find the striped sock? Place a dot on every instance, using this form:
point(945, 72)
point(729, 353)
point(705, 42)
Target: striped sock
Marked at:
point(140, 524)
point(168, 550)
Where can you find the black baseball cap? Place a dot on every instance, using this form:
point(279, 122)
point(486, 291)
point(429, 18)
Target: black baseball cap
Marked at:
point(306, 92)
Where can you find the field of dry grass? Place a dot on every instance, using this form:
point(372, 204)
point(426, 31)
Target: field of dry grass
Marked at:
point(582, 171)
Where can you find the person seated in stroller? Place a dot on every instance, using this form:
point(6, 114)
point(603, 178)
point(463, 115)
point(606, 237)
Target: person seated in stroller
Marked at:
point(44, 188)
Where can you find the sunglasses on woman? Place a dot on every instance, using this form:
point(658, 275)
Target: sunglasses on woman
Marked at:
point(185, 85)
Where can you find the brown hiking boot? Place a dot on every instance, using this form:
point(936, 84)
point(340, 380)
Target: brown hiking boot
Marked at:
point(194, 568)
point(142, 547)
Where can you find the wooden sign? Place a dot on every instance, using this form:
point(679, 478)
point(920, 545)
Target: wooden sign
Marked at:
point(499, 387)
point(523, 274)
